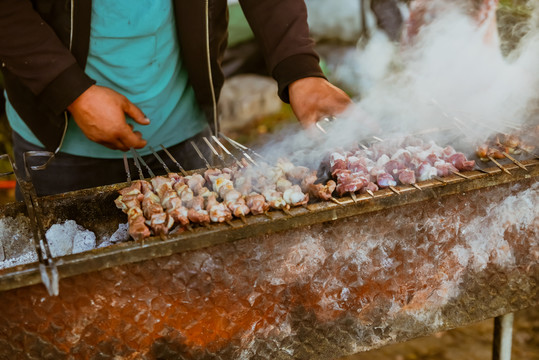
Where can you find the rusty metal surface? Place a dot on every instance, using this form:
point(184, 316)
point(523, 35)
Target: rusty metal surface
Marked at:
point(94, 209)
point(386, 270)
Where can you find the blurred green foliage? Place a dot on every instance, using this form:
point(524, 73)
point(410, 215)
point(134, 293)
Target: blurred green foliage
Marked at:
point(516, 6)
point(5, 131)
point(512, 17)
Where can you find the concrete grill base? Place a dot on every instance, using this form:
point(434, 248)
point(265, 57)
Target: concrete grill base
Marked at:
point(315, 292)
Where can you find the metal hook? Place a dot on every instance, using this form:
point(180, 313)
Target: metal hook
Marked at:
point(47, 265)
point(36, 153)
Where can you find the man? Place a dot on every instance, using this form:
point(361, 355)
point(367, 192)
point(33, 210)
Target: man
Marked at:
point(75, 69)
point(423, 12)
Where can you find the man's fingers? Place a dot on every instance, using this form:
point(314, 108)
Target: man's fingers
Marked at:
point(133, 139)
point(114, 145)
point(309, 121)
point(136, 114)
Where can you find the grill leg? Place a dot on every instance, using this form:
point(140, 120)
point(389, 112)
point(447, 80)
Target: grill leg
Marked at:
point(503, 336)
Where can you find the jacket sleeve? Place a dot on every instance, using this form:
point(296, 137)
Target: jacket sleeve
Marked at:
point(280, 27)
point(32, 52)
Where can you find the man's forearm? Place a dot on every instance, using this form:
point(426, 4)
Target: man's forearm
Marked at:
point(32, 53)
point(281, 28)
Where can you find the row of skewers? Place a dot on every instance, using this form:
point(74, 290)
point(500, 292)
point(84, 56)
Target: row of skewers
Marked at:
point(507, 146)
point(175, 202)
point(396, 161)
point(216, 196)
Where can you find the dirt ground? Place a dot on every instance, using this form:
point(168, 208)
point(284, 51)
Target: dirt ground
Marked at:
point(473, 342)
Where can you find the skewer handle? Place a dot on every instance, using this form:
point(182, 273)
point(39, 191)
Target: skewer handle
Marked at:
point(159, 159)
point(184, 173)
point(200, 154)
point(127, 170)
point(137, 164)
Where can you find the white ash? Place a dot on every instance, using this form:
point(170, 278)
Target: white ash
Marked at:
point(16, 240)
point(15, 236)
point(26, 258)
point(119, 236)
point(69, 238)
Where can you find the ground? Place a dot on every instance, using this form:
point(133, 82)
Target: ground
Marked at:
point(473, 342)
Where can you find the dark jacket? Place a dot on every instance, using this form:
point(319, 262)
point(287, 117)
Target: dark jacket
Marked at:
point(44, 46)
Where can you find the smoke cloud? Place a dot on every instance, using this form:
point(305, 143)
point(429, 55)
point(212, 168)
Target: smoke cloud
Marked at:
point(451, 80)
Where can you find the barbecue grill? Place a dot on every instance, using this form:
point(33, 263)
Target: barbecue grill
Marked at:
point(315, 282)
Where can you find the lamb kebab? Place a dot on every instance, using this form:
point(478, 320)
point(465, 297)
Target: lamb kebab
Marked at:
point(185, 188)
point(223, 185)
point(159, 221)
point(384, 165)
point(501, 146)
point(129, 202)
point(170, 200)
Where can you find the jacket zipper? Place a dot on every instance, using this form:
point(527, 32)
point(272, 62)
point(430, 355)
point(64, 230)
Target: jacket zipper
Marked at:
point(210, 75)
point(66, 117)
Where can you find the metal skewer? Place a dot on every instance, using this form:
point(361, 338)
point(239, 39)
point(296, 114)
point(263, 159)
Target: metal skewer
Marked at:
point(143, 162)
point(517, 163)
point(320, 128)
point(219, 156)
point(160, 160)
point(459, 174)
point(126, 166)
point(243, 152)
point(529, 152)
point(243, 219)
point(135, 159)
point(437, 178)
point(227, 152)
point(477, 168)
point(200, 154)
point(184, 173)
point(251, 151)
point(498, 165)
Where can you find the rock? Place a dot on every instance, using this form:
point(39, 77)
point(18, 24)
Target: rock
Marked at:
point(334, 20)
point(245, 98)
point(69, 238)
point(84, 240)
point(60, 238)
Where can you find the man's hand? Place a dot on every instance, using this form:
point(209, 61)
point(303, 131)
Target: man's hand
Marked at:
point(313, 98)
point(100, 114)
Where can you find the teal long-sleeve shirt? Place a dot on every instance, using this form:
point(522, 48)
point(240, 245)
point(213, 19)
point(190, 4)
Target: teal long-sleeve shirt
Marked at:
point(134, 51)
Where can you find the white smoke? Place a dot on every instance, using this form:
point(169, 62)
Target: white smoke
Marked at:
point(452, 77)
